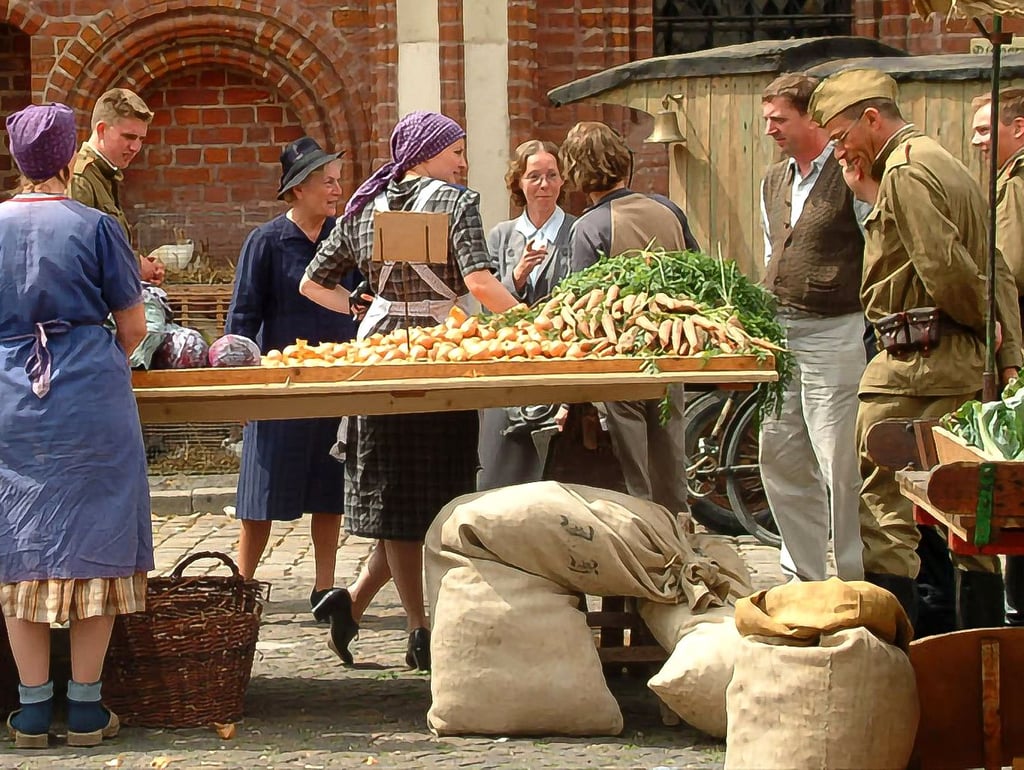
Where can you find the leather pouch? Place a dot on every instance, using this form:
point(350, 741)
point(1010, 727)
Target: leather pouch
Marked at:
point(923, 324)
point(894, 334)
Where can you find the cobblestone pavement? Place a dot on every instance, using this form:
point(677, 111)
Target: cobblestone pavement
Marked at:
point(305, 710)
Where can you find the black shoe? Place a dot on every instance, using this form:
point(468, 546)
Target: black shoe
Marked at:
point(336, 607)
point(979, 600)
point(418, 654)
point(315, 599)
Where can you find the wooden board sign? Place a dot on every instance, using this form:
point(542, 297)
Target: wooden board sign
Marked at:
point(410, 236)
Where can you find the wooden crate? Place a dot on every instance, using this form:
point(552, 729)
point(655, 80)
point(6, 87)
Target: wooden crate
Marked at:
point(203, 307)
point(950, 448)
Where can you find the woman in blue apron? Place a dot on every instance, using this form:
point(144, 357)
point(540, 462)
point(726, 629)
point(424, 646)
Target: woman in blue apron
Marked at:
point(76, 538)
point(400, 470)
point(287, 469)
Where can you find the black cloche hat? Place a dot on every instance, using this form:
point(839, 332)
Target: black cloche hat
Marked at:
point(300, 159)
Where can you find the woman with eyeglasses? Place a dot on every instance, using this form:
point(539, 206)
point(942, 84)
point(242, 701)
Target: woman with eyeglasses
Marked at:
point(531, 255)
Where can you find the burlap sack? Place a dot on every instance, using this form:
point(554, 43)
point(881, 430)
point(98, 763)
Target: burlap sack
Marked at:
point(729, 562)
point(694, 679)
point(668, 623)
point(589, 540)
point(803, 611)
point(512, 655)
point(847, 703)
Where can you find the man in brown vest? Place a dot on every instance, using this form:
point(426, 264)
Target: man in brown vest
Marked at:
point(814, 250)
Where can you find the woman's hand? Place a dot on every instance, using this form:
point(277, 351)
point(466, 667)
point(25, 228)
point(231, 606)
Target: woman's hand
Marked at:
point(863, 185)
point(532, 256)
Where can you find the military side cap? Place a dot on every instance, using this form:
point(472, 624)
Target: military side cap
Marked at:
point(844, 89)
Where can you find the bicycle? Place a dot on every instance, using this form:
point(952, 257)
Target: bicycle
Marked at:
point(723, 474)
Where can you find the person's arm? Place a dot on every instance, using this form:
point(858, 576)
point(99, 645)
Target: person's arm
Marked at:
point(588, 243)
point(1009, 354)
point(252, 287)
point(131, 327)
point(332, 262)
point(489, 291)
point(949, 273)
point(1010, 228)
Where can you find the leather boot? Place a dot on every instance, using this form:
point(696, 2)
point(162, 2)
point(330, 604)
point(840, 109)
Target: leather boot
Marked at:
point(1015, 590)
point(979, 600)
point(936, 588)
point(903, 588)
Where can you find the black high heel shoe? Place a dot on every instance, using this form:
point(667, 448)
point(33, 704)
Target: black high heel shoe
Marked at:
point(337, 607)
point(418, 654)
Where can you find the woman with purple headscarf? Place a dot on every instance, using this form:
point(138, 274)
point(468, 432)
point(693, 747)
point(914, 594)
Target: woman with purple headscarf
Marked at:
point(400, 470)
point(76, 538)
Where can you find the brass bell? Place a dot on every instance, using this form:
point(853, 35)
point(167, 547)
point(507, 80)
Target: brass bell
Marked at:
point(666, 129)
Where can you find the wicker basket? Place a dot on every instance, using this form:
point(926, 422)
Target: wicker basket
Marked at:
point(186, 660)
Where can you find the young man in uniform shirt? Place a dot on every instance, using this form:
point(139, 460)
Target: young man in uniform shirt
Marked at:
point(120, 122)
point(1010, 242)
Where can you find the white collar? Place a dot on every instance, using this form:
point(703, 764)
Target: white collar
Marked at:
point(548, 230)
point(816, 164)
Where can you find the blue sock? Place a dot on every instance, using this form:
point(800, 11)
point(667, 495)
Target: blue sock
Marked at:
point(36, 709)
point(85, 713)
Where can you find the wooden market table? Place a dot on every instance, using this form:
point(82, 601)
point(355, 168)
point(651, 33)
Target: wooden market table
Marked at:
point(258, 393)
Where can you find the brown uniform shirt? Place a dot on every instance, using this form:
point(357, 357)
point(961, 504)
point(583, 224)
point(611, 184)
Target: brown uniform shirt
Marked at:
point(1010, 216)
point(97, 184)
point(926, 244)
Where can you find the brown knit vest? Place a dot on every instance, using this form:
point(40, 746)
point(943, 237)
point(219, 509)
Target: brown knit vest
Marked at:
point(815, 265)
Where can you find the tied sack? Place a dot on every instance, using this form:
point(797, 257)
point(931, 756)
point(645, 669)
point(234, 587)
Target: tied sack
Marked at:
point(512, 654)
point(822, 680)
point(584, 539)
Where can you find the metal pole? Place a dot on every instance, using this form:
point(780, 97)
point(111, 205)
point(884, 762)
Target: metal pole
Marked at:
point(990, 380)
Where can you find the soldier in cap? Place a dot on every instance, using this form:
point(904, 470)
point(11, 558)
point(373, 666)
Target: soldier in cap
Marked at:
point(924, 290)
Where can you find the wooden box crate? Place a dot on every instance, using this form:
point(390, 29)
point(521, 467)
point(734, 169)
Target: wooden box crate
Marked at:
point(203, 307)
point(950, 448)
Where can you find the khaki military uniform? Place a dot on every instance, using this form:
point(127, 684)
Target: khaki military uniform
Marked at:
point(1010, 216)
point(926, 244)
point(97, 184)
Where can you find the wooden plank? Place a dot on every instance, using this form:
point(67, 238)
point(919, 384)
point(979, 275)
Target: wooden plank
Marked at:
point(992, 729)
point(696, 172)
point(398, 370)
point(891, 444)
point(953, 489)
point(747, 117)
point(233, 403)
point(609, 619)
point(925, 440)
point(625, 655)
point(951, 732)
point(950, 448)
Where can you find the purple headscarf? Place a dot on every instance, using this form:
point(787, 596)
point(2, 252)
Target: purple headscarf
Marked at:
point(42, 139)
point(417, 137)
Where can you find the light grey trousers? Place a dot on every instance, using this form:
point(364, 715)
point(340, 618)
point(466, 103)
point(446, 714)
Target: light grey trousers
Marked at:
point(808, 454)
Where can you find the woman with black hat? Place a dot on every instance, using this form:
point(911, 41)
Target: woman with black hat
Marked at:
point(286, 467)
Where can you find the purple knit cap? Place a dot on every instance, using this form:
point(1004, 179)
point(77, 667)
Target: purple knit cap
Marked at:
point(417, 137)
point(42, 139)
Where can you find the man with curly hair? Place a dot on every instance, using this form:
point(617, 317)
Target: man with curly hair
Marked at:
point(597, 161)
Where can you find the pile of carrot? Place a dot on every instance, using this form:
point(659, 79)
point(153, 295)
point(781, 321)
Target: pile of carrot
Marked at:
point(598, 324)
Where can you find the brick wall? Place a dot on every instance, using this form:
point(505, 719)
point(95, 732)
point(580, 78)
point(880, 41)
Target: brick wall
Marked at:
point(211, 160)
point(15, 90)
point(893, 22)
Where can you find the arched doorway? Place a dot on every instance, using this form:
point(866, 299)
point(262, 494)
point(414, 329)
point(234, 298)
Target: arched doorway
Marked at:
point(15, 88)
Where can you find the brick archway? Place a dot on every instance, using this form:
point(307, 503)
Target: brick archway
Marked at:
point(139, 45)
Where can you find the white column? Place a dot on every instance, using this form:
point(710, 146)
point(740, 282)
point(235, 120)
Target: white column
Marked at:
point(485, 28)
point(419, 62)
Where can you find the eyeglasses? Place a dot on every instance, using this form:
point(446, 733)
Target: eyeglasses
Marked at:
point(841, 136)
point(536, 179)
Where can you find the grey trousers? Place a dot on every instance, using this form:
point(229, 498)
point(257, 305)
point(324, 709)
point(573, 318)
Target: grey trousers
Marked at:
point(652, 456)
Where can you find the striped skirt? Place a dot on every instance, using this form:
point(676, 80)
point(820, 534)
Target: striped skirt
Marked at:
point(62, 600)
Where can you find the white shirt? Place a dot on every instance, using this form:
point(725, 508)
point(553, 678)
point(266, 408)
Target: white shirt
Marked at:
point(546, 233)
point(802, 186)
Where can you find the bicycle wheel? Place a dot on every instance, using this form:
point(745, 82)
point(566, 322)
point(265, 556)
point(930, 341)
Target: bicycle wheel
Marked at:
point(713, 511)
point(743, 476)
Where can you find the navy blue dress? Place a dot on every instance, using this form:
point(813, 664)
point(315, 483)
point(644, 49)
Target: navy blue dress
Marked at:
point(286, 466)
